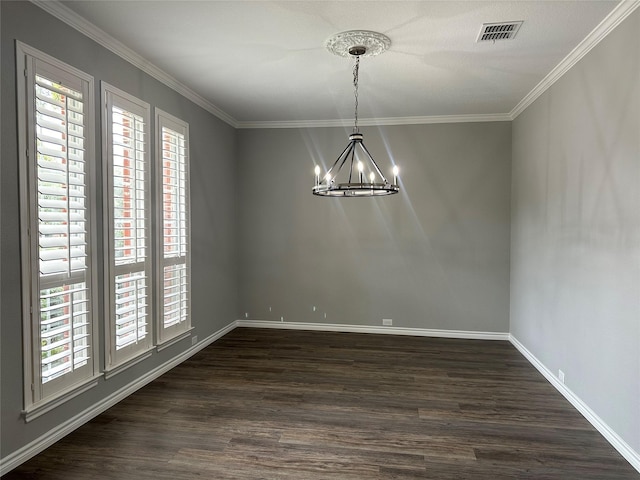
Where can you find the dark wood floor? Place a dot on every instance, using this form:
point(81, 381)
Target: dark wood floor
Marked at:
point(282, 404)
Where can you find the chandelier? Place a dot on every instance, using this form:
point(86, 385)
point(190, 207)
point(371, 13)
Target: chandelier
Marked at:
point(361, 176)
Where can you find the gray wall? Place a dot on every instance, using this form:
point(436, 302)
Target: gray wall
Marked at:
point(434, 256)
point(214, 288)
point(575, 276)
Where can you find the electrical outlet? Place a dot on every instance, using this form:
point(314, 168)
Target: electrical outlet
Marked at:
point(313, 308)
point(387, 322)
point(194, 339)
point(282, 319)
point(246, 314)
point(561, 376)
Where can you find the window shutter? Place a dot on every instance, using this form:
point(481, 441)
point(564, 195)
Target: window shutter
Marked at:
point(174, 213)
point(173, 242)
point(61, 179)
point(55, 119)
point(64, 329)
point(129, 228)
point(62, 228)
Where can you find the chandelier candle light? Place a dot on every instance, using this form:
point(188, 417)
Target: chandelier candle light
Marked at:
point(356, 43)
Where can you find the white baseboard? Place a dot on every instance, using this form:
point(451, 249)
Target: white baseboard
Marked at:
point(607, 432)
point(610, 435)
point(20, 456)
point(336, 327)
point(44, 441)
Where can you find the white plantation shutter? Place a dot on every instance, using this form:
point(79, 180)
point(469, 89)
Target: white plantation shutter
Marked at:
point(129, 261)
point(64, 329)
point(61, 179)
point(129, 226)
point(173, 221)
point(56, 210)
point(62, 228)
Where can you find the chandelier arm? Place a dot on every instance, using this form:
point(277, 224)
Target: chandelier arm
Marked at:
point(339, 157)
point(353, 154)
point(344, 159)
point(374, 163)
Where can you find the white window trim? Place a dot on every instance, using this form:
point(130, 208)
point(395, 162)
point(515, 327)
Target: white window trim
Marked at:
point(172, 341)
point(113, 371)
point(35, 401)
point(118, 361)
point(37, 409)
point(168, 336)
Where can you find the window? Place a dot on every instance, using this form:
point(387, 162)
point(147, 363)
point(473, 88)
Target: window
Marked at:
point(146, 283)
point(172, 173)
point(56, 122)
point(127, 190)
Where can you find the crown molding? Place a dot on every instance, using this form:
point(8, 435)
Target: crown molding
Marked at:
point(68, 16)
point(63, 13)
point(611, 21)
point(370, 122)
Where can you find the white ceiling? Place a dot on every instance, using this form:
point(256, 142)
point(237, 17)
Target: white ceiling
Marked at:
point(265, 61)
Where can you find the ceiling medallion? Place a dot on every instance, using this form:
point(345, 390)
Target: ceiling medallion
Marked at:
point(374, 43)
point(362, 177)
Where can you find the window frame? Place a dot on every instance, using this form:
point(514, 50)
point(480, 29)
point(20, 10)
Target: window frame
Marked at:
point(116, 359)
point(167, 335)
point(41, 397)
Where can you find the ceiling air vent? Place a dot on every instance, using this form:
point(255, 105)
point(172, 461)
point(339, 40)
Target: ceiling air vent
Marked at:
point(498, 31)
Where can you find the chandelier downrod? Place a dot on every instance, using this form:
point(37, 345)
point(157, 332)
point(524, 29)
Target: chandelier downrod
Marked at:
point(356, 71)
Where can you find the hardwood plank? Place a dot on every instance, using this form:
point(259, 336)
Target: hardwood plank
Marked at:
point(285, 404)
